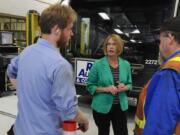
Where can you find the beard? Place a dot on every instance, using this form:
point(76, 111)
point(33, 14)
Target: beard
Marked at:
point(62, 42)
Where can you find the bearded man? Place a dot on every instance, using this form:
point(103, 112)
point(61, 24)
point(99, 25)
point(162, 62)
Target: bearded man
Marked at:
point(45, 86)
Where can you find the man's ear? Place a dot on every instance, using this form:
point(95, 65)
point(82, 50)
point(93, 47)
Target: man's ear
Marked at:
point(171, 38)
point(56, 30)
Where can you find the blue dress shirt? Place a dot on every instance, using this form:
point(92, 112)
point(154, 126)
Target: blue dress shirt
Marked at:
point(45, 90)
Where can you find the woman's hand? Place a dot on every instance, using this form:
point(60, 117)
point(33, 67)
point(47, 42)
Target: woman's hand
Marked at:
point(112, 89)
point(121, 87)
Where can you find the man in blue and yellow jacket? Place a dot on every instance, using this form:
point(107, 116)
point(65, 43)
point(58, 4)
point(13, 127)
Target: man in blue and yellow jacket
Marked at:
point(158, 111)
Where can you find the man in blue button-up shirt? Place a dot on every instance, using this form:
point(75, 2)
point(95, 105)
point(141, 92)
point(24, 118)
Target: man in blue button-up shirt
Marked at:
point(45, 86)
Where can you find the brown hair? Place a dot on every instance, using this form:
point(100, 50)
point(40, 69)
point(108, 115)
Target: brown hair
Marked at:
point(119, 43)
point(56, 14)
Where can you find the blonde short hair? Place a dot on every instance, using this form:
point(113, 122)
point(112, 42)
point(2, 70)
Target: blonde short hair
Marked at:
point(119, 43)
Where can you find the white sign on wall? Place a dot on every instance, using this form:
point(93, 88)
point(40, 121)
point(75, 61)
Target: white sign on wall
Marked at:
point(82, 68)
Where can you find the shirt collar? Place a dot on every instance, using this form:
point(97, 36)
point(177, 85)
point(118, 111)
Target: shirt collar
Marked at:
point(46, 43)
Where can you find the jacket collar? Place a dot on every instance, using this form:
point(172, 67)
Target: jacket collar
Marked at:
point(174, 54)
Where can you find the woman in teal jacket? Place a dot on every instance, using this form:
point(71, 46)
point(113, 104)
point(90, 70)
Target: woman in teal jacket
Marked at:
point(108, 81)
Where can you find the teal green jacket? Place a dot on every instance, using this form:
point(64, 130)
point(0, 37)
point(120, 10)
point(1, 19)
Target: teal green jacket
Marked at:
point(100, 76)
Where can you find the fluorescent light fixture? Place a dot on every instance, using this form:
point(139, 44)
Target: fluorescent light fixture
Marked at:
point(49, 2)
point(118, 31)
point(132, 40)
point(104, 15)
point(65, 2)
point(136, 31)
point(127, 34)
point(176, 8)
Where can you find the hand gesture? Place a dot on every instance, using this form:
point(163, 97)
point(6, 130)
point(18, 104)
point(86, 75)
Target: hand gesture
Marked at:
point(112, 89)
point(121, 87)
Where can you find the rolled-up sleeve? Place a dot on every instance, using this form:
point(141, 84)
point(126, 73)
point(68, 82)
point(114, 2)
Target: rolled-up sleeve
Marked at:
point(12, 68)
point(64, 93)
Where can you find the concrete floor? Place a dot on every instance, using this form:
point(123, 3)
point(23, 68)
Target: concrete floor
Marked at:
point(8, 112)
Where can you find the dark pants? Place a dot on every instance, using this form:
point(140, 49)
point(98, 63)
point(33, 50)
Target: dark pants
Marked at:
point(11, 132)
point(117, 117)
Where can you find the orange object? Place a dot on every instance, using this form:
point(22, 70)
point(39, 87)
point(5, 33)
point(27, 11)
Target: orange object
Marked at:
point(69, 126)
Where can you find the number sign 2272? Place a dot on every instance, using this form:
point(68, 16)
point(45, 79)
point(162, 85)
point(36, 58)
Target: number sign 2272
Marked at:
point(151, 62)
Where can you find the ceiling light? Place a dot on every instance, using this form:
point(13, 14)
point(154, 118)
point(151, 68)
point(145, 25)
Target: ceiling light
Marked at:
point(136, 31)
point(176, 8)
point(127, 34)
point(132, 40)
point(104, 15)
point(65, 2)
point(118, 31)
